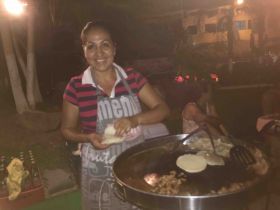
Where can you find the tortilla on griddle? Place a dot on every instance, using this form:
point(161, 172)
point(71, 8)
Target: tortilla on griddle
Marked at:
point(211, 158)
point(191, 163)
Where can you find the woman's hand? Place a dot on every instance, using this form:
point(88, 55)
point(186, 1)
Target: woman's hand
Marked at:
point(70, 117)
point(96, 141)
point(124, 125)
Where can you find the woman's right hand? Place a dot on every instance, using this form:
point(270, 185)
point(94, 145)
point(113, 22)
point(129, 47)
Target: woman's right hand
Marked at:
point(96, 141)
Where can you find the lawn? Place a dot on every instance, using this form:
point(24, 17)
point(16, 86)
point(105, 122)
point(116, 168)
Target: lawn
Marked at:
point(69, 201)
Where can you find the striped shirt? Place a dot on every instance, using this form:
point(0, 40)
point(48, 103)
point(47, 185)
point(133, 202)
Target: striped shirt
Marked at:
point(81, 91)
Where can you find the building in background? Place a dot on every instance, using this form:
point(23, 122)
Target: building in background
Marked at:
point(272, 24)
point(255, 23)
point(255, 26)
point(210, 26)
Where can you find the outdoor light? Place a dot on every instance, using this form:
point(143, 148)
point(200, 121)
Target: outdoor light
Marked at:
point(214, 77)
point(14, 7)
point(179, 79)
point(239, 2)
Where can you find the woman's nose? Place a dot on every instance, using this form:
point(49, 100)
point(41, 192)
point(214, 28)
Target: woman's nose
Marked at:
point(99, 51)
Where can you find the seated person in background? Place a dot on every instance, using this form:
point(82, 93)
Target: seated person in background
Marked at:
point(194, 115)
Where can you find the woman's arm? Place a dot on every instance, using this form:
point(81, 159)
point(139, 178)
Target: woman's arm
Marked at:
point(158, 111)
point(69, 127)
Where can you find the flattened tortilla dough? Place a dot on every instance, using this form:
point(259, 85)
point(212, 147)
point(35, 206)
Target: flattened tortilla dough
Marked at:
point(211, 159)
point(109, 136)
point(110, 130)
point(191, 163)
point(112, 139)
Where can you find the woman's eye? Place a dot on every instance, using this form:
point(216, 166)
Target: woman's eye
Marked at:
point(90, 47)
point(106, 45)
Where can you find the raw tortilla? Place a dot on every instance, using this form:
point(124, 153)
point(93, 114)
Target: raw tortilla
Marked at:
point(211, 159)
point(109, 136)
point(191, 163)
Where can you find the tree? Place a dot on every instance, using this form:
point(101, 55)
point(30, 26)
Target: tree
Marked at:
point(15, 80)
point(25, 98)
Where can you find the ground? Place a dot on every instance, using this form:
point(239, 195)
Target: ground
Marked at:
point(17, 135)
point(39, 131)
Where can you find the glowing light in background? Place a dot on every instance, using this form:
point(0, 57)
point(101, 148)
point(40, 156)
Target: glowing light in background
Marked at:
point(14, 7)
point(214, 77)
point(179, 79)
point(240, 2)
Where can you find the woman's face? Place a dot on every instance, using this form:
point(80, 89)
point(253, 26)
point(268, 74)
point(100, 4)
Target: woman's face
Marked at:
point(99, 50)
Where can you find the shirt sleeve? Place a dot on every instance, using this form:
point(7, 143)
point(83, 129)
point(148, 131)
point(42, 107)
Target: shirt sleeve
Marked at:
point(140, 80)
point(70, 93)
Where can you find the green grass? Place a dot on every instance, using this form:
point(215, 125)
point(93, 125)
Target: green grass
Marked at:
point(69, 201)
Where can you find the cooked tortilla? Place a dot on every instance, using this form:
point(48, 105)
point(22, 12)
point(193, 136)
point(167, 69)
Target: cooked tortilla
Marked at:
point(109, 136)
point(211, 158)
point(222, 146)
point(191, 163)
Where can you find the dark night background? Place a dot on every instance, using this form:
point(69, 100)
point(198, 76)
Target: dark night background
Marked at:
point(59, 22)
point(58, 47)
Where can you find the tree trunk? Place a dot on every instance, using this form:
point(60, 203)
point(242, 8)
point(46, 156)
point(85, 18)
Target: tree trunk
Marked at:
point(23, 66)
point(18, 93)
point(19, 56)
point(30, 61)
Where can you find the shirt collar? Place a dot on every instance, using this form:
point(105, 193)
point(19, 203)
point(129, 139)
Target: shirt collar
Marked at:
point(87, 78)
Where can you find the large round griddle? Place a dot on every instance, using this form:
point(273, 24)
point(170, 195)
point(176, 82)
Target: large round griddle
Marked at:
point(158, 156)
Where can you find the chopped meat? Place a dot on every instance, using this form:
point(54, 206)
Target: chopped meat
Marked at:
point(169, 184)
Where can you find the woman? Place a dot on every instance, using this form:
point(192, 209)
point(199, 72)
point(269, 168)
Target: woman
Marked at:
point(105, 94)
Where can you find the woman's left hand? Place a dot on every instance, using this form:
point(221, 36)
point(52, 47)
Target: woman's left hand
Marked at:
point(124, 125)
